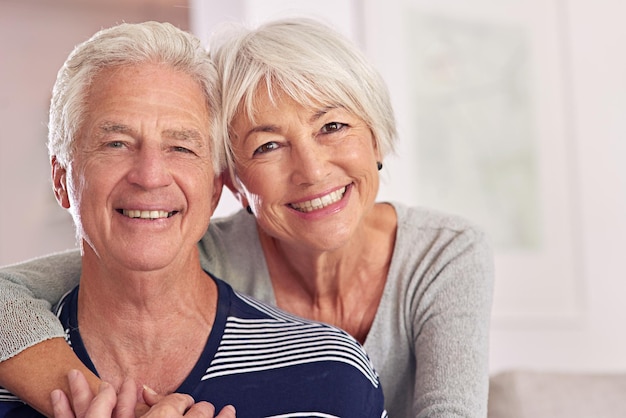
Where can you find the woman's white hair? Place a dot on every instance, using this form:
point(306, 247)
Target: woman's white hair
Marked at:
point(123, 45)
point(310, 62)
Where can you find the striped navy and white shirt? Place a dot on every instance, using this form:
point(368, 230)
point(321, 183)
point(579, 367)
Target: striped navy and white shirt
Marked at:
point(265, 362)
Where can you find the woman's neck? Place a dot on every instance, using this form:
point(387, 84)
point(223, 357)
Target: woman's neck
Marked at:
point(342, 287)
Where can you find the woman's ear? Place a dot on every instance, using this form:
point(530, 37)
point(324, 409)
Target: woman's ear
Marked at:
point(376, 146)
point(59, 182)
point(232, 186)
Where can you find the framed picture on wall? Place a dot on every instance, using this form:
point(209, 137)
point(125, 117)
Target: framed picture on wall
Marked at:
point(480, 90)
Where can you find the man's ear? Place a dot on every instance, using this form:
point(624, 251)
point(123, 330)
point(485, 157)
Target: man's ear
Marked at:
point(230, 183)
point(218, 186)
point(59, 182)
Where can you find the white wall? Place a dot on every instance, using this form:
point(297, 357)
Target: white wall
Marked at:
point(35, 38)
point(597, 134)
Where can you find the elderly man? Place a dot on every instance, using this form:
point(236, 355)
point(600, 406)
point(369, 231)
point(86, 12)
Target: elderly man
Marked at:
point(135, 161)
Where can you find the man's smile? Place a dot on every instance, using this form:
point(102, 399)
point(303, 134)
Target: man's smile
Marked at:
point(146, 214)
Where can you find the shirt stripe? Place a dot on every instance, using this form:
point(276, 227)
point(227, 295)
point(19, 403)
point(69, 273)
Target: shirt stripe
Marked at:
point(283, 340)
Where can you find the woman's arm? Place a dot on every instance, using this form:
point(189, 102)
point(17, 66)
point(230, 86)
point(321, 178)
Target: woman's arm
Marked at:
point(35, 372)
point(27, 292)
point(34, 358)
point(452, 346)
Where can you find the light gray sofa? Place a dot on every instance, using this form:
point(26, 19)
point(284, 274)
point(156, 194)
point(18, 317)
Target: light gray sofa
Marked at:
point(534, 394)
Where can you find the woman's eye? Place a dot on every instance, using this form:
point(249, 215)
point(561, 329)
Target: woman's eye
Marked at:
point(332, 127)
point(267, 147)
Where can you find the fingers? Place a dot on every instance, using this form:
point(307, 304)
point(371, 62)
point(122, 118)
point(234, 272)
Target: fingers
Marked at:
point(171, 405)
point(80, 391)
point(61, 404)
point(150, 397)
point(103, 403)
point(227, 412)
point(201, 410)
point(178, 404)
point(100, 406)
point(127, 400)
point(107, 403)
point(206, 410)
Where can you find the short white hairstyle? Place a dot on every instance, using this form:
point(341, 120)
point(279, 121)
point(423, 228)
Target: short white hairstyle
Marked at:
point(310, 62)
point(125, 45)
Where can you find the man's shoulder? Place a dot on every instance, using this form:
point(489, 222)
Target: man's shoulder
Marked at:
point(278, 339)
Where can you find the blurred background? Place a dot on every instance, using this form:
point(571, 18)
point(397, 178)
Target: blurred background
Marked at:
point(511, 113)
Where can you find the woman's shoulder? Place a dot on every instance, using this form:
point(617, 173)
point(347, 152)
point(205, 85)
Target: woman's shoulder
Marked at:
point(239, 224)
point(424, 218)
point(226, 234)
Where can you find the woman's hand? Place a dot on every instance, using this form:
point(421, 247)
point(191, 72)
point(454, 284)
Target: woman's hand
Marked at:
point(86, 405)
point(108, 404)
point(178, 404)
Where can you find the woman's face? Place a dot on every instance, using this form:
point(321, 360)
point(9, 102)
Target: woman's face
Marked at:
point(309, 174)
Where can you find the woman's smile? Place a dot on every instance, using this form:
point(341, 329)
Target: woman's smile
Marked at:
point(319, 202)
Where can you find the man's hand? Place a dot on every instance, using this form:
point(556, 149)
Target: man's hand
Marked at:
point(178, 405)
point(108, 404)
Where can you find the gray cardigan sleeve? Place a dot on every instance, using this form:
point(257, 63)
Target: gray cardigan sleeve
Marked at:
point(451, 329)
point(27, 292)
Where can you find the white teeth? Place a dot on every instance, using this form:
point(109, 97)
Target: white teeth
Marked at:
point(146, 214)
point(320, 202)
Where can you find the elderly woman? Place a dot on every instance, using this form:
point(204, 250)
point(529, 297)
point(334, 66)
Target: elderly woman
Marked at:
point(135, 161)
point(309, 123)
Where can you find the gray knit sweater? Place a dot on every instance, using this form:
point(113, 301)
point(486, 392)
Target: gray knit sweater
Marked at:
point(429, 339)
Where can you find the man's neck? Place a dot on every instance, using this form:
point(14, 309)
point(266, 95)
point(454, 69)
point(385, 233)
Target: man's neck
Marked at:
point(131, 322)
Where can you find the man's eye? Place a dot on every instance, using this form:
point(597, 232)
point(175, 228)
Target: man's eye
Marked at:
point(115, 144)
point(332, 127)
point(183, 150)
point(267, 147)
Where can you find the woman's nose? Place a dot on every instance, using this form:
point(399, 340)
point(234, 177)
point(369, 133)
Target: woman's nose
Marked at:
point(310, 163)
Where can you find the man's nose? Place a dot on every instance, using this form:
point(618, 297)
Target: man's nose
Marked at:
point(150, 169)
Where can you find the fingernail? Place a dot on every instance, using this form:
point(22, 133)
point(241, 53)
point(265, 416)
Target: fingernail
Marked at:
point(72, 375)
point(55, 395)
point(149, 390)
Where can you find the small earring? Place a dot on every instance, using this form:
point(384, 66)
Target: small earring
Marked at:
point(249, 209)
point(379, 165)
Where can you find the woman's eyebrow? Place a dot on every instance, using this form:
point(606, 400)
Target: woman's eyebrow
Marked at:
point(321, 112)
point(270, 128)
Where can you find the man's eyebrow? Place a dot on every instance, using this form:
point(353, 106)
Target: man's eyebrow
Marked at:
point(179, 134)
point(185, 135)
point(108, 127)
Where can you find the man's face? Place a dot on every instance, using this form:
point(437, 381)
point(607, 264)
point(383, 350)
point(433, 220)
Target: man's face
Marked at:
point(141, 186)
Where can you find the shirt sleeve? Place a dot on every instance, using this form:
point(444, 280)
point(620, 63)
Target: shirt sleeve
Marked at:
point(28, 291)
point(451, 324)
